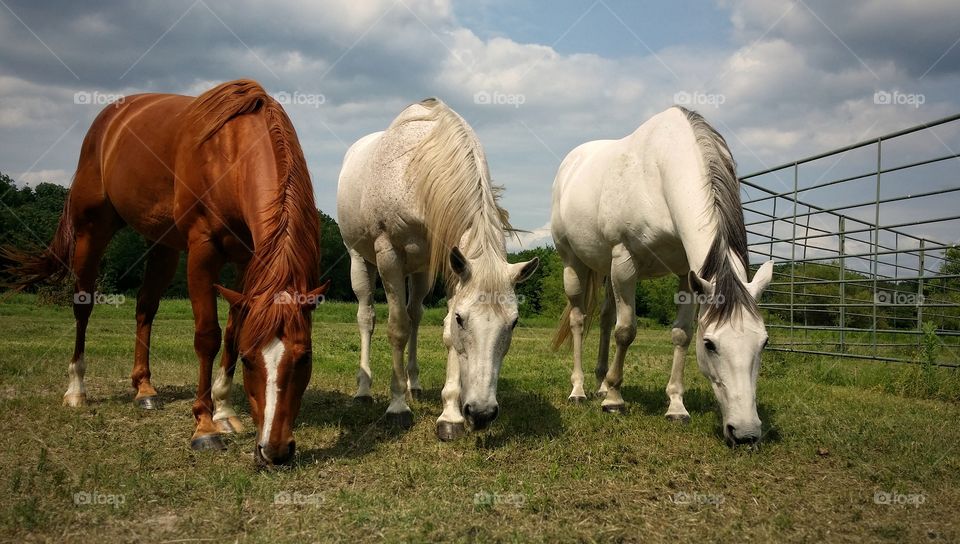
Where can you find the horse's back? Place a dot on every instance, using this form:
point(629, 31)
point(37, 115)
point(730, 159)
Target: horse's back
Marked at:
point(373, 197)
point(610, 192)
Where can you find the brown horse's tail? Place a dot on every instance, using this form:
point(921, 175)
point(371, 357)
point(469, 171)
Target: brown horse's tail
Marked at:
point(25, 268)
point(591, 294)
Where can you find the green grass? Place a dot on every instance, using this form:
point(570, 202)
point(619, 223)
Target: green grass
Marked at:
point(838, 433)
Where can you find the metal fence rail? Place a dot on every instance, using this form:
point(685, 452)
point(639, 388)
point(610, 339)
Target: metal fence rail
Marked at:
point(867, 263)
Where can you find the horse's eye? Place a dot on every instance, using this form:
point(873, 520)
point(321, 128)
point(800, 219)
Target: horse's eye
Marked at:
point(459, 320)
point(515, 321)
point(707, 343)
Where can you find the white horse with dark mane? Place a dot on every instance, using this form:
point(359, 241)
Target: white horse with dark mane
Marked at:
point(415, 201)
point(663, 200)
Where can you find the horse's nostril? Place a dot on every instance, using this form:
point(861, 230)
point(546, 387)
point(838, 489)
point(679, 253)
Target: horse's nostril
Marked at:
point(731, 431)
point(467, 410)
point(496, 412)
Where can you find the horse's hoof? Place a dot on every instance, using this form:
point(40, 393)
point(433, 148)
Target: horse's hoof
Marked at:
point(614, 408)
point(75, 401)
point(229, 425)
point(207, 442)
point(447, 431)
point(363, 399)
point(402, 420)
point(683, 419)
point(416, 393)
point(149, 403)
point(576, 399)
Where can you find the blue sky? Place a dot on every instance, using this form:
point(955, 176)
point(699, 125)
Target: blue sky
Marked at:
point(780, 79)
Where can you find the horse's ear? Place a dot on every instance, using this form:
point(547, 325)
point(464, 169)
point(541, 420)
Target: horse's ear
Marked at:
point(231, 296)
point(699, 285)
point(316, 296)
point(761, 280)
point(522, 271)
point(459, 264)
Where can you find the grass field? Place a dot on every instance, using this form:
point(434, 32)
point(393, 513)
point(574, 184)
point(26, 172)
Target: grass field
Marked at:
point(854, 451)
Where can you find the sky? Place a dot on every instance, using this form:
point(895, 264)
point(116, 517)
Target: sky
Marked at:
point(780, 79)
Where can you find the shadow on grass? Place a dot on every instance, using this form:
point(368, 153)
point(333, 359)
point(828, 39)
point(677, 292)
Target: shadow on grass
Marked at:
point(524, 415)
point(362, 426)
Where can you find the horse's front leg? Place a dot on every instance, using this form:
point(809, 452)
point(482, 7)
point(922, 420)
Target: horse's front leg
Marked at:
point(203, 269)
point(450, 424)
point(681, 334)
point(390, 265)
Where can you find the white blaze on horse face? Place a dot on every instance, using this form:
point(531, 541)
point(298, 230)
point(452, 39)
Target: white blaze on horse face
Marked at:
point(272, 355)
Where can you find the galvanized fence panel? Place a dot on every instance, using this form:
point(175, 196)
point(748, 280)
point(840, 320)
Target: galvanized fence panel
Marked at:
point(867, 263)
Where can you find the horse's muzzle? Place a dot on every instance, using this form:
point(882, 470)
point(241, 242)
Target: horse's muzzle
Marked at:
point(480, 418)
point(268, 455)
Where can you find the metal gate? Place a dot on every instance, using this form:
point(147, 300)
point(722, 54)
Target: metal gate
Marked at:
point(865, 243)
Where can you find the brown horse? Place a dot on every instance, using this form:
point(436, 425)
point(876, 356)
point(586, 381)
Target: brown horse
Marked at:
point(223, 177)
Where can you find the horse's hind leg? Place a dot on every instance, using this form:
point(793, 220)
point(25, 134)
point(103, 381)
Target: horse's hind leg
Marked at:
point(160, 268)
point(91, 242)
point(575, 275)
point(681, 334)
point(623, 278)
point(420, 285)
point(363, 279)
point(608, 314)
point(390, 265)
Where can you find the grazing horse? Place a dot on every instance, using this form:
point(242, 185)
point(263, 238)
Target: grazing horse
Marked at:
point(414, 201)
point(223, 177)
point(662, 200)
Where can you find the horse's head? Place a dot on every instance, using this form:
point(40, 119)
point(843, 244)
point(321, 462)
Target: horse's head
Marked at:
point(479, 326)
point(277, 364)
point(728, 353)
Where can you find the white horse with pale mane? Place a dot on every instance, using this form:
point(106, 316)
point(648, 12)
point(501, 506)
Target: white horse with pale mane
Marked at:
point(663, 200)
point(414, 201)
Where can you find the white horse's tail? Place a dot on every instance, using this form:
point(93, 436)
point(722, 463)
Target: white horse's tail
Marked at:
point(591, 296)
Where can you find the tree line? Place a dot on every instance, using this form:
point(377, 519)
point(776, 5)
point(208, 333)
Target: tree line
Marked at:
point(29, 217)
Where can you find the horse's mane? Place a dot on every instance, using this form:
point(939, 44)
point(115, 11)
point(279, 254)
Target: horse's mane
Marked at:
point(288, 257)
point(448, 171)
point(731, 233)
